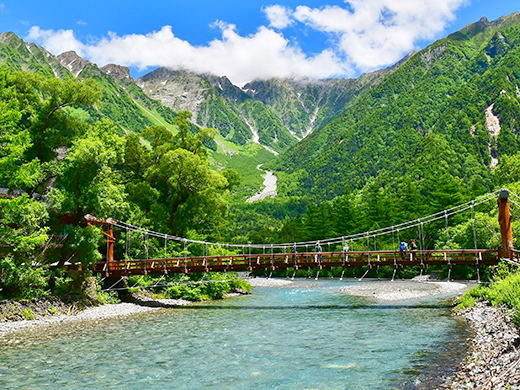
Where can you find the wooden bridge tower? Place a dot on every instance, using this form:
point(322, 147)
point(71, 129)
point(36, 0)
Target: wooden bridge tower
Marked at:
point(504, 218)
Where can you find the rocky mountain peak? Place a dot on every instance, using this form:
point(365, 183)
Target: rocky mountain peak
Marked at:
point(117, 71)
point(73, 62)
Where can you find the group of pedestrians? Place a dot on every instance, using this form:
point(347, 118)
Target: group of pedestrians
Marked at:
point(403, 247)
point(318, 249)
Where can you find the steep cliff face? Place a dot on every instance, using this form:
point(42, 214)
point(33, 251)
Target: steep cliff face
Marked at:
point(118, 72)
point(73, 62)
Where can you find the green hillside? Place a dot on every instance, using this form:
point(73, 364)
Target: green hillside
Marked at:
point(425, 120)
point(15, 54)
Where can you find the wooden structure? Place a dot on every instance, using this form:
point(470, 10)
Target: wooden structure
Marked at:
point(504, 218)
point(300, 261)
point(273, 261)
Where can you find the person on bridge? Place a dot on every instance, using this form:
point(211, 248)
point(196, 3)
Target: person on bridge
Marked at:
point(294, 252)
point(403, 248)
point(318, 251)
point(413, 247)
point(345, 250)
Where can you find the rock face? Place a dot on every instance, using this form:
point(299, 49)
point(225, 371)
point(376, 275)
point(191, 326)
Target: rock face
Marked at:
point(276, 113)
point(117, 71)
point(178, 90)
point(73, 62)
point(494, 360)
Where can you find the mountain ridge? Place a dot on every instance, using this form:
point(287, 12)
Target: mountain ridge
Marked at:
point(423, 104)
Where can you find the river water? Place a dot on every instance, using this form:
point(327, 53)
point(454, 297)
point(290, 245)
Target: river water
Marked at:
point(304, 336)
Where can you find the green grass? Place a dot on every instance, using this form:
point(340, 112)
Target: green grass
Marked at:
point(156, 118)
point(505, 290)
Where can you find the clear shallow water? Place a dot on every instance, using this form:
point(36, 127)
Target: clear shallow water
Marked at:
point(307, 336)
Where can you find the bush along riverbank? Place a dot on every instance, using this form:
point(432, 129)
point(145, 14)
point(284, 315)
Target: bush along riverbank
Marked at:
point(493, 313)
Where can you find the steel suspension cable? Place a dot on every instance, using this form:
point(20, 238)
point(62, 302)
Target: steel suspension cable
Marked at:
point(337, 240)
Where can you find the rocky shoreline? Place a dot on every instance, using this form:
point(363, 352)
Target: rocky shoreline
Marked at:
point(493, 361)
point(33, 314)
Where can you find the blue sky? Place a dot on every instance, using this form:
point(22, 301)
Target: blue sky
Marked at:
point(247, 39)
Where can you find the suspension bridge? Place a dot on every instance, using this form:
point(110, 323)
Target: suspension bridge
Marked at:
point(303, 255)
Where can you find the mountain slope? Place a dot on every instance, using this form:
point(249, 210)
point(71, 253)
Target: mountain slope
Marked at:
point(15, 54)
point(427, 118)
point(275, 113)
point(131, 109)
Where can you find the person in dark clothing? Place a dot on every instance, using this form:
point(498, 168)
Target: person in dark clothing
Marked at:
point(413, 247)
point(318, 251)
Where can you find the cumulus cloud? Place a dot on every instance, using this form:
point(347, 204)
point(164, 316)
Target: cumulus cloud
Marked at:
point(373, 33)
point(264, 54)
point(362, 36)
point(57, 41)
point(278, 16)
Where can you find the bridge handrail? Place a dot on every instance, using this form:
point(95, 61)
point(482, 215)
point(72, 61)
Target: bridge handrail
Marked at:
point(246, 261)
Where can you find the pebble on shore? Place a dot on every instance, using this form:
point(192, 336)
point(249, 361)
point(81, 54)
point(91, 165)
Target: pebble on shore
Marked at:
point(92, 313)
point(494, 358)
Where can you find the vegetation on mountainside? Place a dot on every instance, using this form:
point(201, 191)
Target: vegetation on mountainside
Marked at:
point(420, 122)
point(410, 146)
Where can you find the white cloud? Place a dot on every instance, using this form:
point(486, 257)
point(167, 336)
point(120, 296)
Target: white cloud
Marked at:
point(363, 35)
point(375, 33)
point(264, 54)
point(57, 41)
point(278, 16)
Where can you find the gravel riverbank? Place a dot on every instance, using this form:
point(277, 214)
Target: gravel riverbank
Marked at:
point(399, 290)
point(89, 314)
point(493, 361)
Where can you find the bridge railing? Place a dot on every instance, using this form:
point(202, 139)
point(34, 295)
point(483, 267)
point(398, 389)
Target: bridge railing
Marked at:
point(246, 262)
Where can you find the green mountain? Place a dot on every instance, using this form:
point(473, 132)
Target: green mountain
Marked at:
point(15, 54)
point(122, 101)
point(452, 109)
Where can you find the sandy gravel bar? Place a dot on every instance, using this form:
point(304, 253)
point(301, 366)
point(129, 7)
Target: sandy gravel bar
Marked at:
point(402, 290)
point(268, 282)
point(92, 313)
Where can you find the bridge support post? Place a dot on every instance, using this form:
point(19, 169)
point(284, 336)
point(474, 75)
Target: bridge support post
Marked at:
point(504, 218)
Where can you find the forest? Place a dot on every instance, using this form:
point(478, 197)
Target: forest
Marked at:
point(56, 167)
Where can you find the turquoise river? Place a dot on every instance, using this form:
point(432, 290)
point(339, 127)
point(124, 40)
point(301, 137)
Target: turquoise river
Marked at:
point(304, 336)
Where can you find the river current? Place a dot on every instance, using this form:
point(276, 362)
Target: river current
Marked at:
point(303, 336)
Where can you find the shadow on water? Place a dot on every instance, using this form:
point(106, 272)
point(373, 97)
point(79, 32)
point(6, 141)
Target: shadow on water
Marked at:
point(314, 307)
point(433, 369)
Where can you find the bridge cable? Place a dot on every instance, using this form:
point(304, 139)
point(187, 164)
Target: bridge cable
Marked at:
point(393, 245)
point(357, 236)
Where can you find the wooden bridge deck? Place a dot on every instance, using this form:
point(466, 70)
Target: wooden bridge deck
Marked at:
point(246, 262)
